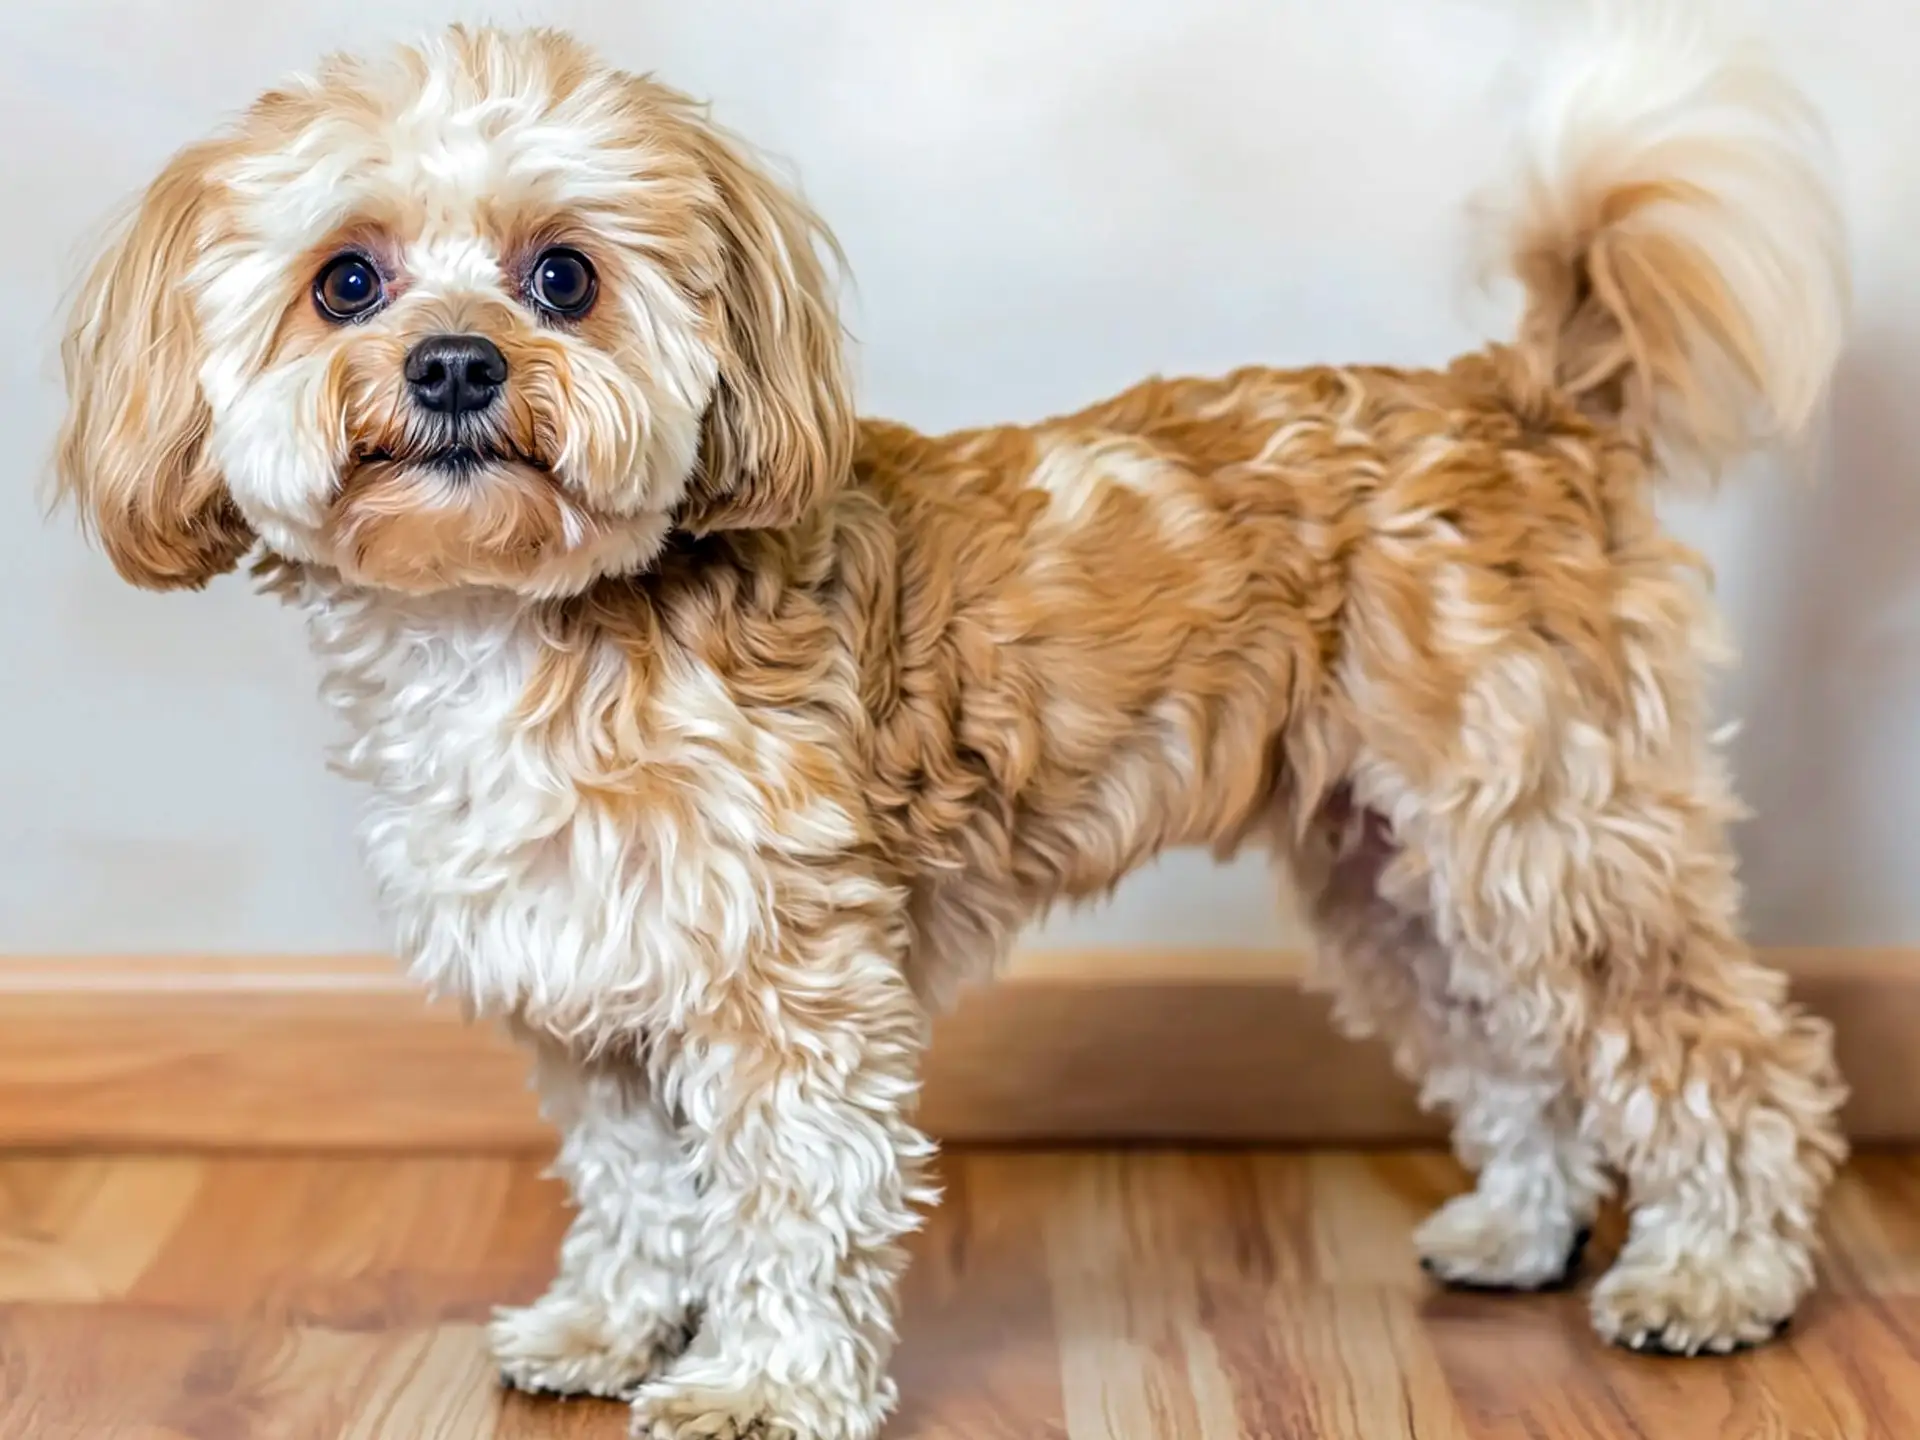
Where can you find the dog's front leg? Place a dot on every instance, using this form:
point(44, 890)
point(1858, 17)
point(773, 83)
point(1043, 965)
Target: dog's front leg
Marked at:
point(621, 1303)
point(794, 1086)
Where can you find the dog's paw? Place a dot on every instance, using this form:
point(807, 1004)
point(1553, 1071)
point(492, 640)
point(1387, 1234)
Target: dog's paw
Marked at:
point(564, 1344)
point(681, 1407)
point(1697, 1304)
point(1472, 1243)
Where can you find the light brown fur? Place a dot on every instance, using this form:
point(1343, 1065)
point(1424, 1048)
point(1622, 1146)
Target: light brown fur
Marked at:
point(1419, 630)
point(714, 738)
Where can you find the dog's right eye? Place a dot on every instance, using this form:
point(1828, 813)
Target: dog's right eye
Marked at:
point(348, 288)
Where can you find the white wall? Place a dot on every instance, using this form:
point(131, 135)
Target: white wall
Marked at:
point(1043, 200)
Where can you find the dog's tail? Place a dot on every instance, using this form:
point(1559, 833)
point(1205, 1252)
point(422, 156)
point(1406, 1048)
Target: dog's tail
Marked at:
point(1681, 249)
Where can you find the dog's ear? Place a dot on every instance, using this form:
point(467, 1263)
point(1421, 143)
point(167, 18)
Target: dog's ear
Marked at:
point(133, 446)
point(778, 434)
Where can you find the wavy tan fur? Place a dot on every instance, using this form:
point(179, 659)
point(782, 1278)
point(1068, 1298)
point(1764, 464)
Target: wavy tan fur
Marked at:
point(714, 740)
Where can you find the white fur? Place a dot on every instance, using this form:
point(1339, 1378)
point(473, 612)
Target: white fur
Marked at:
point(512, 891)
point(1662, 93)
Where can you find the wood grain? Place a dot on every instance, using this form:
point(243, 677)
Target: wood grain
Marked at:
point(1117, 1046)
point(1141, 1295)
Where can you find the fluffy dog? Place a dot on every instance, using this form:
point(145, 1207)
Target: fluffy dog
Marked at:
point(713, 735)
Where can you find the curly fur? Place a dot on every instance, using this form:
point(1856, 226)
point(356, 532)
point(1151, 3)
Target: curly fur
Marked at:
point(714, 738)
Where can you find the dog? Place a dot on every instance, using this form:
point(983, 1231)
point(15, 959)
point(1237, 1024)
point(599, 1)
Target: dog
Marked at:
point(713, 737)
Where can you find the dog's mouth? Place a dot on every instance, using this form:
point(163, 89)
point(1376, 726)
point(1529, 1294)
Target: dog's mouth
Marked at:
point(457, 460)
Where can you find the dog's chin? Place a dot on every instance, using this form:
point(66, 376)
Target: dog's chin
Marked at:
point(463, 517)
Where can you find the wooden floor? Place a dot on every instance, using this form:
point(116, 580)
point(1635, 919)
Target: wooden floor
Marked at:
point(1093, 1296)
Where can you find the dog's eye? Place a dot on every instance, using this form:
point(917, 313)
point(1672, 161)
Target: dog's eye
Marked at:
point(348, 288)
point(562, 283)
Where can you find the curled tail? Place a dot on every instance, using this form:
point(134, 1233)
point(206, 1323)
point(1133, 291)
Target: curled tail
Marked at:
point(1682, 252)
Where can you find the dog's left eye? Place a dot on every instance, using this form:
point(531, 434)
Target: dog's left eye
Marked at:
point(562, 283)
point(348, 288)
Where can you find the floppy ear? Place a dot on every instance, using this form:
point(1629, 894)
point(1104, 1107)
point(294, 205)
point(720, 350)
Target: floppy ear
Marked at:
point(778, 434)
point(133, 446)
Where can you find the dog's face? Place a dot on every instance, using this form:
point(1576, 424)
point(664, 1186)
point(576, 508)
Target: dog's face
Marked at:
point(483, 312)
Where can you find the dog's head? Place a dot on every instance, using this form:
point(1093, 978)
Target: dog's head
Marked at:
point(481, 312)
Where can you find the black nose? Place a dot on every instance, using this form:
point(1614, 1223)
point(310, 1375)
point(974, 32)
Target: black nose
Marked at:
point(453, 374)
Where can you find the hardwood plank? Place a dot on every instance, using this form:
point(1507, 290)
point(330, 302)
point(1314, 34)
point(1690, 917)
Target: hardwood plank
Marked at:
point(75, 1372)
point(1363, 1208)
point(1862, 1362)
point(435, 1384)
point(87, 1232)
point(1093, 1295)
point(1355, 1362)
point(527, 1417)
point(1528, 1371)
point(980, 1357)
point(1873, 1225)
point(358, 1243)
point(1137, 1356)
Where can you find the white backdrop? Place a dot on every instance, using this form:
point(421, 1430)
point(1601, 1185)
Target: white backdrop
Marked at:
point(1043, 200)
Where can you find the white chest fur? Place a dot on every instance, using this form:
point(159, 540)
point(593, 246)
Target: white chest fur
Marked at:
point(511, 877)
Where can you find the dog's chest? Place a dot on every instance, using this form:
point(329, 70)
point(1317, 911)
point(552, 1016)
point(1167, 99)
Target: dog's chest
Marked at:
point(508, 882)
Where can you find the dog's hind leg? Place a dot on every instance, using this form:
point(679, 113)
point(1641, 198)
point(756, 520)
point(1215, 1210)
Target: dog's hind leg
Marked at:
point(1539, 1178)
point(1583, 890)
point(1516, 1123)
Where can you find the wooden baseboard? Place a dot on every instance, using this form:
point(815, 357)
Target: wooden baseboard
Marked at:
point(342, 1052)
